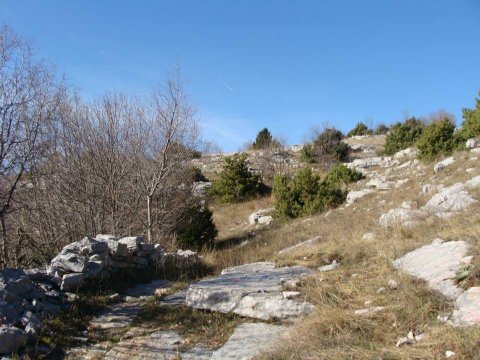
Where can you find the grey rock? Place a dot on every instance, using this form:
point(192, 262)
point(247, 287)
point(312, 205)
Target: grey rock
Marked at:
point(9, 312)
point(451, 199)
point(253, 290)
point(72, 282)
point(402, 217)
point(69, 262)
point(329, 267)
point(11, 339)
point(249, 340)
point(303, 244)
point(94, 268)
point(132, 243)
point(471, 144)
point(443, 164)
point(436, 263)
point(162, 345)
point(354, 196)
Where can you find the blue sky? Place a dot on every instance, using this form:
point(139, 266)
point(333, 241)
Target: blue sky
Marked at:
point(285, 65)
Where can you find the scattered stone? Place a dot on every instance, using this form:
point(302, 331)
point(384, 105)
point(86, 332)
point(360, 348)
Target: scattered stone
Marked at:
point(411, 338)
point(471, 144)
point(290, 294)
point(443, 164)
point(449, 354)
point(368, 236)
point(401, 217)
point(409, 152)
point(306, 243)
point(329, 267)
point(392, 284)
point(381, 290)
point(369, 311)
point(258, 217)
point(353, 196)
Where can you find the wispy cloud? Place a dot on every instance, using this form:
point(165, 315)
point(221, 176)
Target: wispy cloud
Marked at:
point(229, 133)
point(227, 85)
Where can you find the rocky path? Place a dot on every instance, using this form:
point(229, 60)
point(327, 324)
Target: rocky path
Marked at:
point(254, 291)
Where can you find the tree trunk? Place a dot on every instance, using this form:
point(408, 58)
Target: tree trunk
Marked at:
point(149, 219)
point(3, 250)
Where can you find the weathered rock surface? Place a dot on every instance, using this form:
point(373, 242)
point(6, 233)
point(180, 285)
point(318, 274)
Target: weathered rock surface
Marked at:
point(249, 340)
point(437, 263)
point(261, 217)
point(162, 345)
point(451, 199)
point(402, 217)
point(354, 196)
point(443, 164)
point(303, 244)
point(253, 290)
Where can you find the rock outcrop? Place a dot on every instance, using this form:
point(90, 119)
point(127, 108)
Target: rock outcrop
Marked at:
point(26, 296)
point(252, 290)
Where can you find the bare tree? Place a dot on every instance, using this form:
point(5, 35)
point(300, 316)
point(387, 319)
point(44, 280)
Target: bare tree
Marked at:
point(174, 133)
point(29, 98)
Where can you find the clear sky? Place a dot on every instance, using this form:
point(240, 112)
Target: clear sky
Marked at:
point(285, 65)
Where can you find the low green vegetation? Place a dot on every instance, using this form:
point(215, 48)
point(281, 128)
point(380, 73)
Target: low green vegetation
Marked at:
point(437, 139)
point(236, 182)
point(341, 174)
point(403, 135)
point(327, 148)
point(360, 129)
point(308, 154)
point(198, 231)
point(264, 140)
point(471, 122)
point(305, 194)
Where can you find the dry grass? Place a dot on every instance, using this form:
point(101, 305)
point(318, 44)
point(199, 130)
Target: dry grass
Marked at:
point(333, 331)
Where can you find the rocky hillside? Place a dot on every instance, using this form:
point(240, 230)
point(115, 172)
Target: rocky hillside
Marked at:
point(393, 273)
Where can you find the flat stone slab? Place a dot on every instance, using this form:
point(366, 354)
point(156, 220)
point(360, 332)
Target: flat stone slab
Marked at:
point(249, 340)
point(438, 263)
point(117, 316)
point(162, 345)
point(253, 290)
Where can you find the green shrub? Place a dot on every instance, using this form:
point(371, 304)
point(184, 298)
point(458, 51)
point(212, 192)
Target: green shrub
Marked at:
point(342, 174)
point(360, 129)
point(198, 229)
point(330, 148)
point(264, 140)
point(381, 129)
point(305, 194)
point(298, 196)
point(196, 174)
point(471, 122)
point(307, 154)
point(437, 139)
point(236, 183)
point(401, 136)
